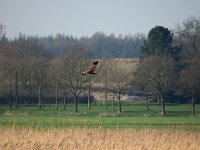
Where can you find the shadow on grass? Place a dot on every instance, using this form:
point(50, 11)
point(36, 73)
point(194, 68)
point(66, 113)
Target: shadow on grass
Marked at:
point(178, 113)
point(156, 113)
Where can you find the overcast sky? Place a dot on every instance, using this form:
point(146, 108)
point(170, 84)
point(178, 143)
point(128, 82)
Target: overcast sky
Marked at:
point(85, 17)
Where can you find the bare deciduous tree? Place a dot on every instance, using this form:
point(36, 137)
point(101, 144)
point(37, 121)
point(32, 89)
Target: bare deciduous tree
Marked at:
point(104, 75)
point(188, 35)
point(73, 65)
point(9, 63)
point(41, 67)
point(2, 30)
point(190, 80)
point(54, 76)
point(140, 83)
point(119, 82)
point(157, 72)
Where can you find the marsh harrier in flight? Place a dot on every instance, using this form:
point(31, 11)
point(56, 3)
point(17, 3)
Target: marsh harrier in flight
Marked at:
point(91, 68)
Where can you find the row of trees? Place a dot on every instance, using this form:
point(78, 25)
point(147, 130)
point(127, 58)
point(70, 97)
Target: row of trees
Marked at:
point(100, 45)
point(171, 62)
point(27, 70)
point(169, 67)
point(37, 66)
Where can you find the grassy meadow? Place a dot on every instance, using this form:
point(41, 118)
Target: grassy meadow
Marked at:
point(134, 128)
point(132, 116)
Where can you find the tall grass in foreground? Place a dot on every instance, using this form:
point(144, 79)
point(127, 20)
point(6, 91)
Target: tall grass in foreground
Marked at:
point(86, 139)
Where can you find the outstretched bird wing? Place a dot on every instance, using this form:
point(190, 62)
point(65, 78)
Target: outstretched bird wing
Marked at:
point(91, 68)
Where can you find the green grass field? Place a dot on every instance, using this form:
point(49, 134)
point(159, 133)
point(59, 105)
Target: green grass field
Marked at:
point(132, 116)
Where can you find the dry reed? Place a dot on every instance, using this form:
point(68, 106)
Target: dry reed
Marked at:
point(86, 139)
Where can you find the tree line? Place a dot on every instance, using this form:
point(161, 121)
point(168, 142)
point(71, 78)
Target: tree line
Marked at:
point(32, 66)
point(100, 45)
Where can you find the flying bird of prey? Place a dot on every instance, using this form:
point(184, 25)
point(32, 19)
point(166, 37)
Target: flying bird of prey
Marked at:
point(91, 68)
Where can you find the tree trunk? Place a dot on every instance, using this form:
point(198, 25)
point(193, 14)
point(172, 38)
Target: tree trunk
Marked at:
point(16, 89)
point(39, 95)
point(119, 103)
point(147, 103)
point(193, 103)
point(64, 101)
point(10, 92)
point(113, 102)
point(162, 104)
point(106, 100)
point(158, 99)
point(89, 106)
point(106, 92)
point(75, 103)
point(56, 96)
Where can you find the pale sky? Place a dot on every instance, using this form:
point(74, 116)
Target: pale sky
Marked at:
point(85, 17)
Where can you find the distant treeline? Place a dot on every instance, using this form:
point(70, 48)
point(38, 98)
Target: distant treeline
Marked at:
point(99, 45)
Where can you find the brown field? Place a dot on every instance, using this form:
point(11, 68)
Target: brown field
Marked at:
point(97, 139)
